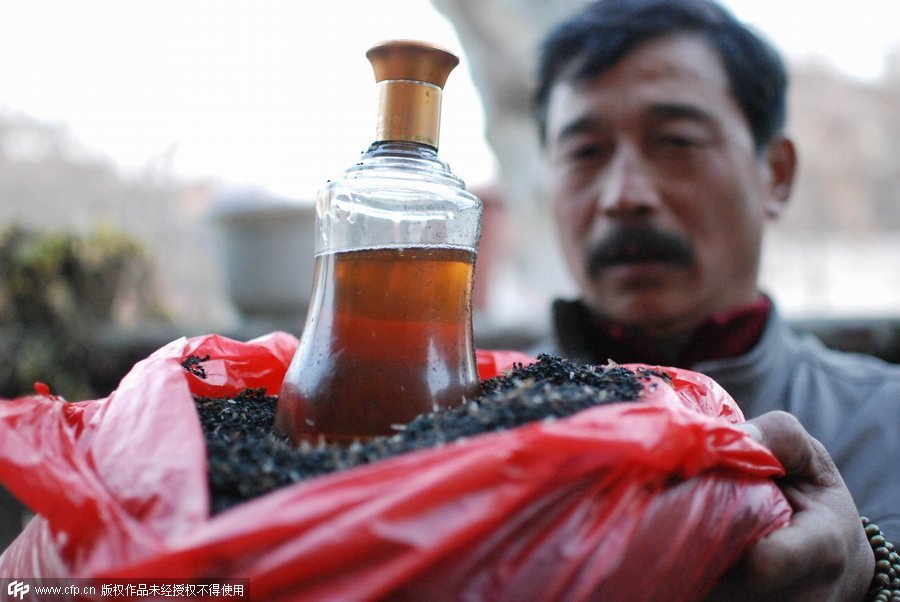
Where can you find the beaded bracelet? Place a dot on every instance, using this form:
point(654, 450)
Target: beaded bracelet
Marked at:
point(886, 582)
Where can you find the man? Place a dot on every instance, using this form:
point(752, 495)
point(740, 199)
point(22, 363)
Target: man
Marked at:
point(662, 123)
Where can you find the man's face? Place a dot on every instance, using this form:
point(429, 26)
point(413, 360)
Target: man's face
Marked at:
point(658, 191)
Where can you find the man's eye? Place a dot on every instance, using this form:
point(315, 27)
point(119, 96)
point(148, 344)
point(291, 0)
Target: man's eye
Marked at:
point(584, 152)
point(676, 141)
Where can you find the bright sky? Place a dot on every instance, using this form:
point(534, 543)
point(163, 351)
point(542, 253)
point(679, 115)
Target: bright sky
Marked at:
point(278, 93)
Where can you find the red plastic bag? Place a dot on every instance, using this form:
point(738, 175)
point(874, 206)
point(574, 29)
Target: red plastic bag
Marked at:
point(642, 501)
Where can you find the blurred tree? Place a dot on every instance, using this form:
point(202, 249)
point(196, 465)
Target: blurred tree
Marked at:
point(57, 292)
point(50, 181)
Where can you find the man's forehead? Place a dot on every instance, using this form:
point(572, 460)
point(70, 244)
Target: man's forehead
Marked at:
point(679, 70)
point(682, 54)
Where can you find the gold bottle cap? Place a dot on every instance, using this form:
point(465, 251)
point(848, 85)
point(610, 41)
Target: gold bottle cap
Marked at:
point(410, 76)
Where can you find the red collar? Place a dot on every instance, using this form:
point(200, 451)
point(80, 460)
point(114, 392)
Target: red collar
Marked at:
point(728, 334)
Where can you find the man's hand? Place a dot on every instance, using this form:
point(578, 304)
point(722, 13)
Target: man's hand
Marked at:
point(823, 554)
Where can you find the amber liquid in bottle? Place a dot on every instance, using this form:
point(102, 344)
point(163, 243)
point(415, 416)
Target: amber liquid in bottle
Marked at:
point(387, 338)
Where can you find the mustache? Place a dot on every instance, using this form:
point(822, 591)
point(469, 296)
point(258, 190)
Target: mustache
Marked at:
point(638, 244)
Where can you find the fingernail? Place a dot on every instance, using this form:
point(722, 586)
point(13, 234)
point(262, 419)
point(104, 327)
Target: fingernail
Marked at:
point(752, 430)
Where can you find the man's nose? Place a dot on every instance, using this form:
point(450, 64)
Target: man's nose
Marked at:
point(627, 188)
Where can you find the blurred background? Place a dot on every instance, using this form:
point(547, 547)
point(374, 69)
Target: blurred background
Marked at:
point(158, 161)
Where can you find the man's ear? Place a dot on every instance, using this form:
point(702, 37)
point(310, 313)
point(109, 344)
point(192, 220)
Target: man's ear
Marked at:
point(781, 163)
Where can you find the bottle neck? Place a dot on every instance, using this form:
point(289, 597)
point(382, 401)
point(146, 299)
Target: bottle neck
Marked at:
point(408, 111)
point(402, 148)
point(415, 159)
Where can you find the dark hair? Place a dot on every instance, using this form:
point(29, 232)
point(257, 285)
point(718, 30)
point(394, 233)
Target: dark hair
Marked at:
point(604, 32)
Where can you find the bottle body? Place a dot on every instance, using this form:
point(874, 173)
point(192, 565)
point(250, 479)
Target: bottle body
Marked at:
point(388, 338)
point(388, 334)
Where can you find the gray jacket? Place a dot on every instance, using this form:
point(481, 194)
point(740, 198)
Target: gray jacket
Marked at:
point(849, 402)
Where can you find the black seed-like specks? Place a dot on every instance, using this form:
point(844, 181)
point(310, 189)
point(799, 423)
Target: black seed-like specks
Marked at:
point(247, 459)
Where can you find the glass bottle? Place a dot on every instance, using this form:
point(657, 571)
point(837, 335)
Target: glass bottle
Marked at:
point(388, 334)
